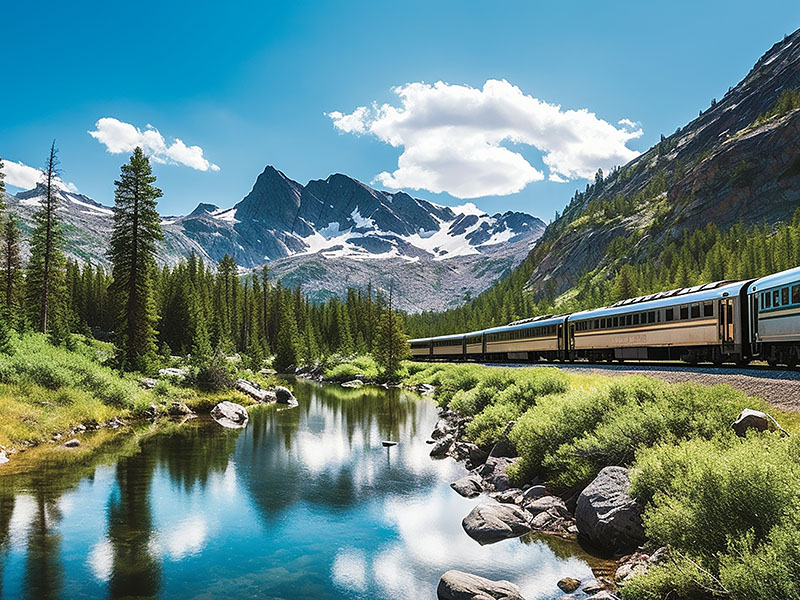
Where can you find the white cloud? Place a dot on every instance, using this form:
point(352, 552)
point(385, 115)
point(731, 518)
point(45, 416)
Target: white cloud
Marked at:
point(25, 177)
point(460, 140)
point(120, 137)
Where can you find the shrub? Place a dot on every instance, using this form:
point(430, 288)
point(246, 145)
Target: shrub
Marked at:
point(488, 426)
point(215, 374)
point(346, 369)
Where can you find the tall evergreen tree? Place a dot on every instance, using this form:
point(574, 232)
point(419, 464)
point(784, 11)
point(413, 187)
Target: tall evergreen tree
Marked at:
point(45, 277)
point(133, 245)
point(391, 343)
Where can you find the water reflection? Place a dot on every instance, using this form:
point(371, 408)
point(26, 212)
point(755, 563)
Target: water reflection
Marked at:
point(303, 503)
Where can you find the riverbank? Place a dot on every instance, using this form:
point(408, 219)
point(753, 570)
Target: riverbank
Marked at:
point(632, 466)
point(52, 394)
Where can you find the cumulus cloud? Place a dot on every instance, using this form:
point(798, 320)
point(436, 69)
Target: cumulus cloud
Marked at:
point(118, 137)
point(25, 177)
point(461, 140)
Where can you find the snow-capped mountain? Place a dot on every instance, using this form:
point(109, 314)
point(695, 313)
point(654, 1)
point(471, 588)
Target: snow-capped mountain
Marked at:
point(340, 217)
point(325, 236)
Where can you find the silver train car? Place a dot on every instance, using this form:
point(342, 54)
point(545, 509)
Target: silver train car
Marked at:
point(721, 322)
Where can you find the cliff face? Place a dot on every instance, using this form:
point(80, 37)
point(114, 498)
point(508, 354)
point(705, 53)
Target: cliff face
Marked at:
point(739, 161)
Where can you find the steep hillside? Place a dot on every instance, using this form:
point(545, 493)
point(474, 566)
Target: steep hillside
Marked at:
point(650, 223)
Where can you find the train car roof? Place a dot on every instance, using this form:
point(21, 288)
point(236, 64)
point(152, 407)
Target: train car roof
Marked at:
point(663, 300)
point(778, 279)
point(526, 325)
point(440, 338)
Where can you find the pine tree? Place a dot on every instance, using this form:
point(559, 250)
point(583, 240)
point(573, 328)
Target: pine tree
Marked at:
point(391, 343)
point(133, 245)
point(286, 350)
point(11, 268)
point(45, 277)
point(2, 187)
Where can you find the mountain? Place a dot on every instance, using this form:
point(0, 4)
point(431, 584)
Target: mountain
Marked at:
point(737, 162)
point(325, 236)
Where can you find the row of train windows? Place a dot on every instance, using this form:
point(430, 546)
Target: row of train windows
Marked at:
point(780, 297)
point(688, 311)
point(445, 343)
point(474, 340)
point(420, 344)
point(518, 334)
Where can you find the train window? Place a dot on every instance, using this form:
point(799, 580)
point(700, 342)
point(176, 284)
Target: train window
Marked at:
point(628, 319)
point(796, 294)
point(596, 324)
point(776, 298)
point(695, 310)
point(636, 319)
point(668, 314)
point(651, 316)
point(616, 321)
point(766, 300)
point(684, 312)
point(785, 296)
point(708, 309)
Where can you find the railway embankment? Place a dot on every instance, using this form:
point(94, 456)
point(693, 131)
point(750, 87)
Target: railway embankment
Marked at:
point(651, 473)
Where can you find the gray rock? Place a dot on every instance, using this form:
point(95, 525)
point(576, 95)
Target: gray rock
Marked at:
point(147, 383)
point(551, 521)
point(753, 419)
point(285, 396)
point(231, 415)
point(592, 587)
point(255, 391)
point(425, 388)
point(607, 516)
point(173, 372)
point(569, 584)
point(493, 472)
point(441, 429)
point(535, 492)
point(604, 595)
point(457, 585)
point(355, 383)
point(3, 457)
point(441, 447)
point(477, 456)
point(73, 443)
point(503, 448)
point(179, 409)
point(509, 496)
point(469, 486)
point(489, 523)
point(546, 503)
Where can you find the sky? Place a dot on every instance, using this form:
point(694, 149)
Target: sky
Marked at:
point(509, 105)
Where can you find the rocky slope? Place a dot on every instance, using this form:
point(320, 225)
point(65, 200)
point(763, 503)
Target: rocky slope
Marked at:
point(325, 236)
point(738, 161)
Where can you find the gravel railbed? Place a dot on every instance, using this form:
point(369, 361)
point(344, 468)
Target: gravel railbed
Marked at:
point(781, 388)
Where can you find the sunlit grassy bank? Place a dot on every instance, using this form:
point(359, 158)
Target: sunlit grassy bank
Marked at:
point(728, 507)
point(46, 390)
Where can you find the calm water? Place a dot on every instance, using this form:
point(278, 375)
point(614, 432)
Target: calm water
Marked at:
point(303, 503)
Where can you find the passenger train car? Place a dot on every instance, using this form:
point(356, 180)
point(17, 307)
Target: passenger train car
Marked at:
point(720, 322)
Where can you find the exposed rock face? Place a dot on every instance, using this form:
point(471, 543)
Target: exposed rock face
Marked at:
point(489, 523)
point(720, 168)
point(231, 415)
point(457, 585)
point(607, 516)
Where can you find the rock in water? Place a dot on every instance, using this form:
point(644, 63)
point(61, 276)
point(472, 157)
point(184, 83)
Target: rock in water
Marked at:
point(489, 523)
point(469, 486)
point(356, 383)
point(441, 447)
point(230, 414)
point(457, 585)
point(607, 516)
point(254, 391)
point(285, 396)
point(569, 584)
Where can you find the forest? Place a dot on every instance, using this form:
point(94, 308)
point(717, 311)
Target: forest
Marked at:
point(193, 309)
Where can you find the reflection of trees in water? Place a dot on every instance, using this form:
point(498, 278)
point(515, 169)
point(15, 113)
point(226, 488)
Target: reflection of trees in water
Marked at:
point(279, 471)
point(6, 508)
point(43, 570)
point(192, 452)
point(136, 570)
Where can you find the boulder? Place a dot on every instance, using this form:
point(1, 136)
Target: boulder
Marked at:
point(3, 457)
point(503, 448)
point(73, 443)
point(592, 587)
point(231, 415)
point(425, 388)
point(753, 419)
point(546, 503)
point(552, 521)
point(493, 473)
point(441, 447)
point(254, 391)
point(607, 516)
point(477, 456)
point(285, 396)
point(569, 584)
point(509, 496)
point(356, 383)
point(457, 585)
point(489, 523)
point(469, 486)
point(173, 372)
point(179, 409)
point(441, 429)
point(147, 383)
point(534, 492)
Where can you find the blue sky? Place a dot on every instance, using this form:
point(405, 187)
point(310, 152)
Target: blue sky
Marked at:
point(251, 85)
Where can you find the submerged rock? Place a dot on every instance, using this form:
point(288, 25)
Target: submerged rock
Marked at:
point(355, 383)
point(231, 415)
point(285, 396)
point(606, 514)
point(489, 523)
point(458, 585)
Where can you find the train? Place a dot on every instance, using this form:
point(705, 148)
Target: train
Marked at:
point(724, 322)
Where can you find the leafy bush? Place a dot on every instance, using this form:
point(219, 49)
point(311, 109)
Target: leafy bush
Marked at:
point(215, 374)
point(488, 426)
point(344, 369)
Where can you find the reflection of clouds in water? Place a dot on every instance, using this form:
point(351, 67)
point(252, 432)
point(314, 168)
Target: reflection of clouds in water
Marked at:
point(224, 485)
point(101, 560)
point(350, 570)
point(186, 538)
point(21, 519)
point(330, 448)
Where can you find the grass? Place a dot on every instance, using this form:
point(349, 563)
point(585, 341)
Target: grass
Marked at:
point(729, 508)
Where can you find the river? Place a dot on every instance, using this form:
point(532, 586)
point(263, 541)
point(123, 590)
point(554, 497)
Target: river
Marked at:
point(303, 503)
